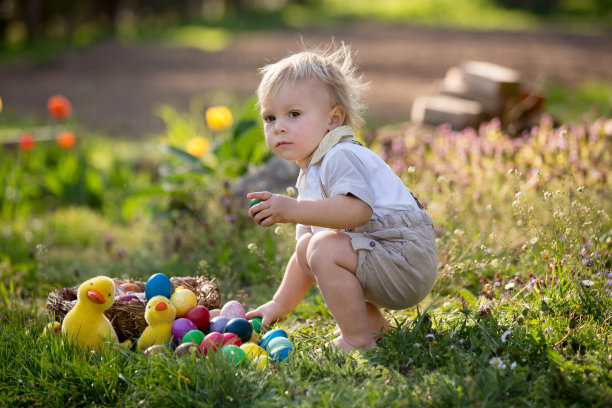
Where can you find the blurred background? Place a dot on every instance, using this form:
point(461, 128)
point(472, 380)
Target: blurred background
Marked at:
point(118, 61)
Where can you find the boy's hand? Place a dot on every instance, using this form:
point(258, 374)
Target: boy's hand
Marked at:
point(270, 313)
point(274, 208)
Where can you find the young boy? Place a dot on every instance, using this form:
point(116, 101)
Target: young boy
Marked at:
point(361, 235)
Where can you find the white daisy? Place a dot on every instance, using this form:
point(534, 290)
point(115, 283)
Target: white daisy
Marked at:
point(505, 335)
point(497, 362)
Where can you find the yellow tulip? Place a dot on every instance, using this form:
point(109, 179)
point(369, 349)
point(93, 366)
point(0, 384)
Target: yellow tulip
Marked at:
point(219, 118)
point(197, 146)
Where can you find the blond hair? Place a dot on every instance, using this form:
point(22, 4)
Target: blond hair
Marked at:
point(333, 66)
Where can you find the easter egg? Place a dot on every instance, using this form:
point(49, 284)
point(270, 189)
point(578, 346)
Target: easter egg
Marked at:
point(53, 327)
point(183, 300)
point(131, 287)
point(255, 201)
point(155, 350)
point(217, 324)
point(158, 284)
point(214, 313)
point(278, 342)
point(261, 362)
point(180, 327)
point(241, 327)
point(254, 338)
point(252, 350)
point(193, 336)
point(127, 298)
point(119, 290)
point(231, 338)
point(187, 349)
point(270, 335)
point(233, 309)
point(233, 354)
point(212, 342)
point(280, 353)
point(200, 316)
point(256, 323)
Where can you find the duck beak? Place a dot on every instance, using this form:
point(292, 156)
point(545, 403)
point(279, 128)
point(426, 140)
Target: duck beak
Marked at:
point(161, 306)
point(95, 297)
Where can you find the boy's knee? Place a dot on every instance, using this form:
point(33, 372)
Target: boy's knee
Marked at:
point(323, 247)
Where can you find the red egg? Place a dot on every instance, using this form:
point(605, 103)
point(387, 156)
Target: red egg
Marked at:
point(231, 338)
point(212, 342)
point(200, 316)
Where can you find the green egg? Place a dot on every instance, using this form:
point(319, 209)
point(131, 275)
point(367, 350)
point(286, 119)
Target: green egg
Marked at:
point(255, 201)
point(256, 323)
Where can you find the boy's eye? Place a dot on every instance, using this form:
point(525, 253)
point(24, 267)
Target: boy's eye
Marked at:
point(294, 114)
point(269, 119)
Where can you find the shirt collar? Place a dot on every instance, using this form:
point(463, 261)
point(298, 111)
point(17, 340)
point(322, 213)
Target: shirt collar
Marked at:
point(330, 140)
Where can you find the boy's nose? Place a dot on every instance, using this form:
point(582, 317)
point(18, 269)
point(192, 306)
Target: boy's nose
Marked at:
point(279, 128)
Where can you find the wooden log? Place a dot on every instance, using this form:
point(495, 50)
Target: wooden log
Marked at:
point(436, 110)
point(485, 78)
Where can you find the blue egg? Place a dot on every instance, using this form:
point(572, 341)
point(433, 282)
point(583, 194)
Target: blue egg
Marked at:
point(278, 342)
point(280, 353)
point(158, 284)
point(263, 343)
point(241, 327)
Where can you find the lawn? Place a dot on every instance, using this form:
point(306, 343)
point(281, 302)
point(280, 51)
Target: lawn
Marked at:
point(520, 315)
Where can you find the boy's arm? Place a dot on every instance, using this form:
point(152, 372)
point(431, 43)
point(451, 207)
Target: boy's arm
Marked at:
point(340, 212)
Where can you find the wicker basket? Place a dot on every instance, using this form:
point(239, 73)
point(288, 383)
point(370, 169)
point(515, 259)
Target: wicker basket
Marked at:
point(128, 317)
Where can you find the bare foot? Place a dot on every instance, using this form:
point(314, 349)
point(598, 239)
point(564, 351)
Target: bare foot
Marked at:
point(349, 348)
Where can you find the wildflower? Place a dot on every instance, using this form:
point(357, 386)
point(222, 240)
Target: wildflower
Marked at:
point(513, 365)
point(497, 362)
point(504, 336)
point(252, 247)
point(510, 285)
point(580, 189)
point(197, 146)
point(65, 139)
point(290, 191)
point(588, 283)
point(219, 118)
point(26, 142)
point(430, 336)
point(411, 170)
point(278, 230)
point(484, 310)
point(59, 107)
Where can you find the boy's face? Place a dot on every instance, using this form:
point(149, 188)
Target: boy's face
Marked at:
point(297, 117)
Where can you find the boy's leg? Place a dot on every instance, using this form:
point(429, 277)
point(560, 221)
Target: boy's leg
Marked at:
point(378, 324)
point(333, 262)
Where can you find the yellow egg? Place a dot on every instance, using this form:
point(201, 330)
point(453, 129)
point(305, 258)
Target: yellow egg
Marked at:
point(252, 350)
point(261, 362)
point(183, 300)
point(254, 338)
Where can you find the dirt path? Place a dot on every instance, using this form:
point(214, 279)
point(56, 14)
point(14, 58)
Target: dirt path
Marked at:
point(117, 87)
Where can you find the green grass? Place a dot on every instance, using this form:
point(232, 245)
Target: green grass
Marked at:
point(521, 314)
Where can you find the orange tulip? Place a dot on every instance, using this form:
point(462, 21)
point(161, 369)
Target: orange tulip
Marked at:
point(219, 118)
point(65, 139)
point(26, 142)
point(59, 107)
point(0, 105)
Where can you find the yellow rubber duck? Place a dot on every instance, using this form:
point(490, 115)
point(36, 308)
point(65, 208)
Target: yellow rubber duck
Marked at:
point(159, 315)
point(86, 322)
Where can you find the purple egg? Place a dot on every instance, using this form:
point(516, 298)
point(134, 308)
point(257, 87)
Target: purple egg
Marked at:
point(180, 327)
point(232, 310)
point(218, 324)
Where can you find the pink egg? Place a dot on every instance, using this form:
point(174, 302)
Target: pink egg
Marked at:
point(212, 342)
point(232, 310)
point(231, 338)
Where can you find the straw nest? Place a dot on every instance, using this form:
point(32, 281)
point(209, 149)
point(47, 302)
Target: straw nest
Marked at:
point(128, 317)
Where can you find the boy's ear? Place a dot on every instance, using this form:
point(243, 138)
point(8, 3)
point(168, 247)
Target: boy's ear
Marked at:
point(336, 117)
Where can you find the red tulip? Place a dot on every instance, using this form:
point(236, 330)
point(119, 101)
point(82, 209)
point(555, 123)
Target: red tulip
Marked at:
point(65, 139)
point(26, 142)
point(59, 107)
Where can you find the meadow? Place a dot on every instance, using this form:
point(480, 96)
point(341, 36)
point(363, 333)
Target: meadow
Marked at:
point(520, 315)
